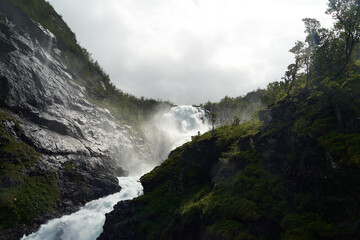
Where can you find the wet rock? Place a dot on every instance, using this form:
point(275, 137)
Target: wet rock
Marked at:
point(53, 108)
point(117, 222)
point(57, 118)
point(265, 117)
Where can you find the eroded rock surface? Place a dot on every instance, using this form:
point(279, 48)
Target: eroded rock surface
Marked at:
point(84, 143)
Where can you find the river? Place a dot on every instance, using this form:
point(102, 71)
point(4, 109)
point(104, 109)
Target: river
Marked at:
point(173, 128)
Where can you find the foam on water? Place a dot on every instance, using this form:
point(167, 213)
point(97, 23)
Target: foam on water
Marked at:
point(175, 127)
point(87, 223)
point(168, 130)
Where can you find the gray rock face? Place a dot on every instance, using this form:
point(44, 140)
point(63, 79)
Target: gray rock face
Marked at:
point(58, 120)
point(56, 115)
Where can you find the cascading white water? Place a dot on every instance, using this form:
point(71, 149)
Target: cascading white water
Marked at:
point(87, 223)
point(182, 122)
point(175, 127)
point(168, 130)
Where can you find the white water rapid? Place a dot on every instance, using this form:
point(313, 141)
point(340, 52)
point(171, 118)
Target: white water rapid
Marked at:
point(87, 223)
point(175, 127)
point(167, 131)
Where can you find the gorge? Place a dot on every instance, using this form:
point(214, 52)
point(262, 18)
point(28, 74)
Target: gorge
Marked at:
point(76, 137)
point(176, 127)
point(63, 143)
point(88, 221)
point(281, 163)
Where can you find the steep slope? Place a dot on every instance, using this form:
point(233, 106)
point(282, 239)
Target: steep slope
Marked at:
point(241, 109)
point(241, 182)
point(293, 175)
point(65, 128)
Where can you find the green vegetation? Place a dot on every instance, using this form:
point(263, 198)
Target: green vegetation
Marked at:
point(28, 188)
point(218, 185)
point(324, 89)
point(184, 199)
point(307, 226)
point(295, 177)
point(243, 108)
point(42, 12)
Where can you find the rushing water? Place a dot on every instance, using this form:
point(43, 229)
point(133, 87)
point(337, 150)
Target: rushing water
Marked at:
point(87, 223)
point(172, 129)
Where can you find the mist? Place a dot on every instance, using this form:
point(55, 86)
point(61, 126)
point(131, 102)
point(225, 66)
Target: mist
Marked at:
point(171, 128)
point(165, 130)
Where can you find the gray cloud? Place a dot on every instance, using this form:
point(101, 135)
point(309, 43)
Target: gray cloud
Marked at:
point(190, 51)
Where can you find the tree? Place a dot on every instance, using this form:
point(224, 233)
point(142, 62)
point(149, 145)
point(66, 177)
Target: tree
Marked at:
point(313, 29)
point(347, 14)
point(236, 121)
point(314, 39)
point(290, 74)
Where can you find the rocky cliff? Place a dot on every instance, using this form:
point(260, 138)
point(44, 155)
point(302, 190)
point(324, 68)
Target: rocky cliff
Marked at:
point(52, 126)
point(251, 181)
point(295, 174)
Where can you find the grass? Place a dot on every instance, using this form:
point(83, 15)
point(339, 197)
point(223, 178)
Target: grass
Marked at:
point(240, 199)
point(230, 230)
point(179, 197)
point(307, 226)
point(27, 191)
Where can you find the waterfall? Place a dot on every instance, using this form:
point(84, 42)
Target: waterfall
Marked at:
point(174, 127)
point(168, 130)
point(87, 223)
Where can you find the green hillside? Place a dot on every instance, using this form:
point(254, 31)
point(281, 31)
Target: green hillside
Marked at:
point(294, 175)
point(239, 109)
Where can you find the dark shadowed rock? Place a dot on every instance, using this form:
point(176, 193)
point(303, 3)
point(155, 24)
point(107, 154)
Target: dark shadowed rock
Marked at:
point(116, 226)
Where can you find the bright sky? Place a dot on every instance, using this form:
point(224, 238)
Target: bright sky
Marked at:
point(190, 51)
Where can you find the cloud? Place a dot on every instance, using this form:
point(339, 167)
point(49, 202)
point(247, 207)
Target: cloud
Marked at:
point(190, 51)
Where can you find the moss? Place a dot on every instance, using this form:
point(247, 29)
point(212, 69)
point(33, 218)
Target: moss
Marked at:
point(34, 196)
point(177, 198)
point(26, 190)
point(305, 126)
point(160, 207)
point(230, 230)
point(69, 166)
point(277, 127)
point(304, 202)
point(163, 173)
point(222, 205)
point(228, 134)
point(345, 147)
point(291, 158)
point(41, 11)
point(307, 226)
point(297, 178)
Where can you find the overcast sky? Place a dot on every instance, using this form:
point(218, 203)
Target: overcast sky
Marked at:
point(190, 51)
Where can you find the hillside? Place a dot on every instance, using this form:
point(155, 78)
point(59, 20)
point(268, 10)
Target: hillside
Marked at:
point(66, 131)
point(84, 70)
point(295, 174)
point(241, 109)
